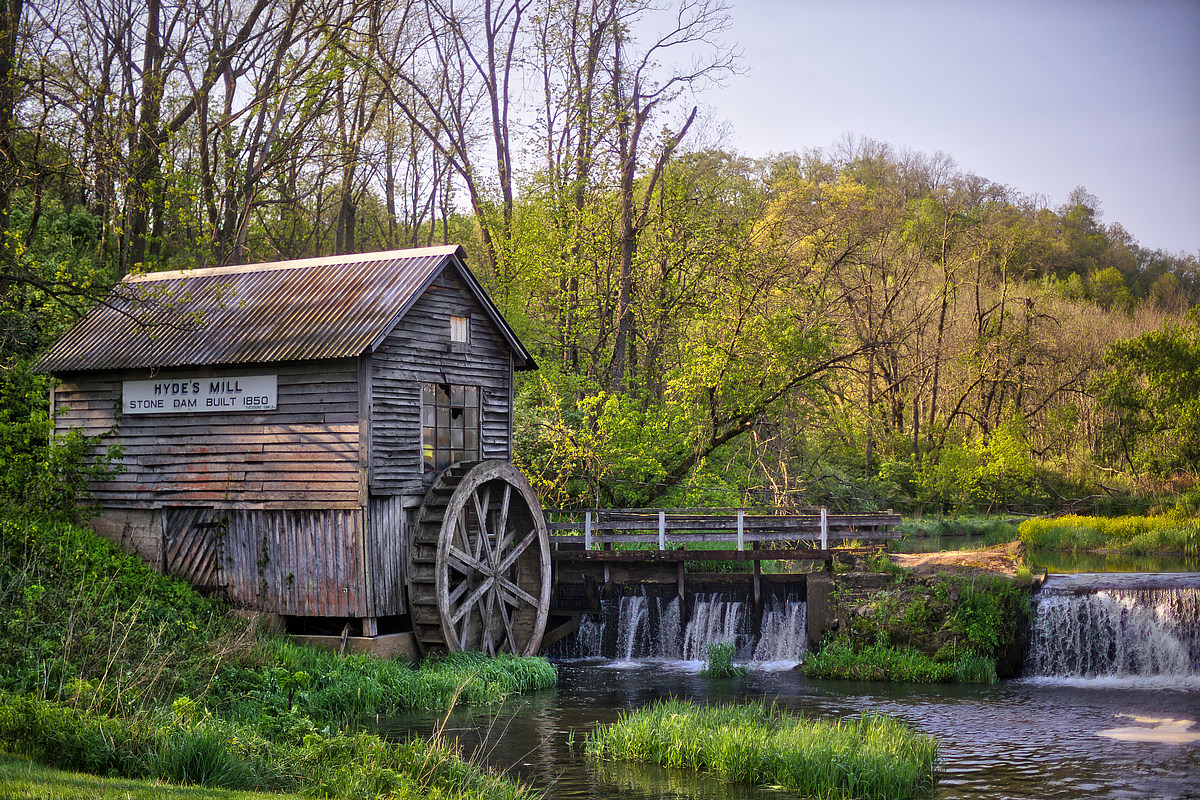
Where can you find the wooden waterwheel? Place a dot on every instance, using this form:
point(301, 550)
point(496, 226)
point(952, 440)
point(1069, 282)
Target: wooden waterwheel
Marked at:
point(479, 563)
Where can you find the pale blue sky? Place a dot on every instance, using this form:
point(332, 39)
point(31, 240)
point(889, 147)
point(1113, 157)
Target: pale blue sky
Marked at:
point(1040, 96)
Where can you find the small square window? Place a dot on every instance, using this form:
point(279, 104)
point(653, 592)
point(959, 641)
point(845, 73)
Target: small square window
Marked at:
point(460, 329)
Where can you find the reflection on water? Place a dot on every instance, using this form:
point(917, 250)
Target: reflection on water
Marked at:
point(1154, 729)
point(1112, 562)
point(1053, 561)
point(1019, 739)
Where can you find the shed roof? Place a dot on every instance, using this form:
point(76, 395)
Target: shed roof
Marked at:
point(318, 308)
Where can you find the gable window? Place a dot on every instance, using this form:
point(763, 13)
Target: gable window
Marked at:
point(449, 424)
point(460, 329)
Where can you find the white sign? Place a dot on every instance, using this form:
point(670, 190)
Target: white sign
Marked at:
point(201, 395)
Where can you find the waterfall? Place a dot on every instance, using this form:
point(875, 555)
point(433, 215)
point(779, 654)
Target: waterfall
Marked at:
point(641, 626)
point(715, 620)
point(784, 631)
point(1115, 629)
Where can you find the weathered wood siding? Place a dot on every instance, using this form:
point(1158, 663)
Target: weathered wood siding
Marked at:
point(303, 454)
point(387, 544)
point(305, 563)
point(192, 539)
point(419, 350)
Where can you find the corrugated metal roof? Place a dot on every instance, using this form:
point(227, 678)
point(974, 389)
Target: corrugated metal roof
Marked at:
point(318, 308)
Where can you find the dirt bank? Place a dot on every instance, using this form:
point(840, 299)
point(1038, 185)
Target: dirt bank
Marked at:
point(1003, 559)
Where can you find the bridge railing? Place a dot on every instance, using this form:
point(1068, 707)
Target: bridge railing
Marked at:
point(746, 528)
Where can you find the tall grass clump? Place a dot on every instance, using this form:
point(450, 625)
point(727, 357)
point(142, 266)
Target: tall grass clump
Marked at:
point(203, 750)
point(868, 756)
point(1131, 535)
point(294, 684)
point(719, 661)
point(994, 530)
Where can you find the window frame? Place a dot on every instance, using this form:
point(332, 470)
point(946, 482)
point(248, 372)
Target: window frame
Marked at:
point(448, 409)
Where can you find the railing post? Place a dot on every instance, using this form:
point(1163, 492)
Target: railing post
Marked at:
point(741, 530)
point(662, 530)
point(824, 528)
point(587, 530)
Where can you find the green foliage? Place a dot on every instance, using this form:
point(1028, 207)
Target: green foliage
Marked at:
point(989, 472)
point(870, 756)
point(949, 628)
point(216, 753)
point(23, 778)
point(994, 530)
point(72, 605)
point(719, 661)
point(109, 667)
point(1151, 390)
point(839, 660)
point(1131, 535)
point(41, 470)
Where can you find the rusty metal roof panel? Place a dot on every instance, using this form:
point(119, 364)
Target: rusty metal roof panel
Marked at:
point(306, 310)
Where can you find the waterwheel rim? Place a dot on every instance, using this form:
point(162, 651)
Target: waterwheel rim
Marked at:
point(493, 562)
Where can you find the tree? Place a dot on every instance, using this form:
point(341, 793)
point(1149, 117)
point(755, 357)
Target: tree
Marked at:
point(1151, 391)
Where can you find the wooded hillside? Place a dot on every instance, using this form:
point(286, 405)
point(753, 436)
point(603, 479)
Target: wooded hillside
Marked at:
point(852, 325)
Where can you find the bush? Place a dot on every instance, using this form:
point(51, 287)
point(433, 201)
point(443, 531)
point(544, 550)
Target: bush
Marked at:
point(43, 470)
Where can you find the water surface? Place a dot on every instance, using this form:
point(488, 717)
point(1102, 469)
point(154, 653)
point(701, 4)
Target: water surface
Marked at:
point(1034, 738)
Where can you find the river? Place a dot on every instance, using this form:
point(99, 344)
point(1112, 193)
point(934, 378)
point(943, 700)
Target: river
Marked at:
point(1105, 726)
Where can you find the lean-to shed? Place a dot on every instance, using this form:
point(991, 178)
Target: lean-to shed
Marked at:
point(282, 422)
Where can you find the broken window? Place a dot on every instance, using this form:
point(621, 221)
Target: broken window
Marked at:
point(449, 424)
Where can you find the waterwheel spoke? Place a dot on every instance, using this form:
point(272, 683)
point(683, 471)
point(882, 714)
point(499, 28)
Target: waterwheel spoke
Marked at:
point(453, 597)
point(471, 601)
point(466, 561)
point(501, 527)
point(510, 637)
point(516, 552)
point(516, 592)
point(485, 542)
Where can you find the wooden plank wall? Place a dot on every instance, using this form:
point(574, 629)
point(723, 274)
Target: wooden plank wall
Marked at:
point(388, 546)
point(192, 538)
point(305, 453)
point(418, 351)
point(305, 563)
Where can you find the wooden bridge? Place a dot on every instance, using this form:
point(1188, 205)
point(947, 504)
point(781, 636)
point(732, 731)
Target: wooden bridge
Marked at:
point(594, 551)
point(670, 535)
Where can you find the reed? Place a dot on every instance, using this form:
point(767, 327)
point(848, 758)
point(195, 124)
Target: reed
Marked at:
point(1131, 535)
point(867, 756)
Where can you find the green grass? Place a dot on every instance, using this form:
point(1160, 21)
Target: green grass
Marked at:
point(839, 660)
point(1130, 535)
point(868, 756)
point(993, 529)
point(719, 661)
point(109, 668)
point(23, 779)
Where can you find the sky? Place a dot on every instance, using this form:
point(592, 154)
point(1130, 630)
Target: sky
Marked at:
point(1039, 96)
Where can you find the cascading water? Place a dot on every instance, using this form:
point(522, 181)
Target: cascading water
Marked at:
point(1122, 627)
point(639, 627)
